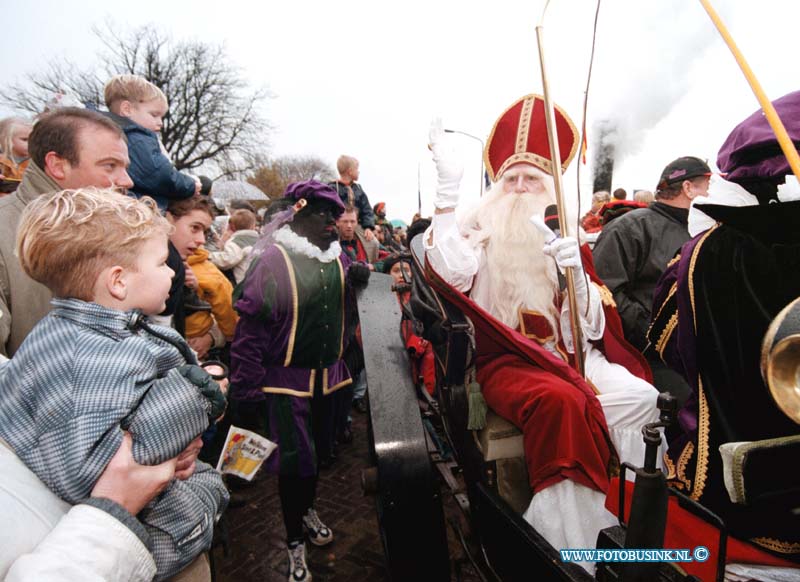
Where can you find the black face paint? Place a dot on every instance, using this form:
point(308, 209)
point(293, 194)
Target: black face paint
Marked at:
point(317, 223)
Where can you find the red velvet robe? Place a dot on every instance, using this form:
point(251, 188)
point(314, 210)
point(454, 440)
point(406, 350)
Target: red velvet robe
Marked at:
point(564, 428)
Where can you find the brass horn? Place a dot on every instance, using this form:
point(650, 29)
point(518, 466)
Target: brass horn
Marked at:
point(780, 360)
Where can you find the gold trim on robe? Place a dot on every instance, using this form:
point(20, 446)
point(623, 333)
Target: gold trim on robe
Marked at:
point(703, 430)
point(290, 347)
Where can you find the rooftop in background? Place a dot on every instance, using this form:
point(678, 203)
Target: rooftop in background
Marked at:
point(225, 191)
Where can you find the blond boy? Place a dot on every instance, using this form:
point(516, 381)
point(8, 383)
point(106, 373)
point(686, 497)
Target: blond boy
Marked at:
point(352, 194)
point(94, 366)
point(139, 107)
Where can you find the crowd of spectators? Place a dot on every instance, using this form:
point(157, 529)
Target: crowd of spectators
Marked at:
point(112, 275)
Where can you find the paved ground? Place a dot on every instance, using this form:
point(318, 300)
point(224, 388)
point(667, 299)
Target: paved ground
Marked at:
point(257, 546)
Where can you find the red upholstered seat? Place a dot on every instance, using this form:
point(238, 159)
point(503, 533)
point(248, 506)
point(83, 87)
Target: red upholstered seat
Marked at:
point(686, 530)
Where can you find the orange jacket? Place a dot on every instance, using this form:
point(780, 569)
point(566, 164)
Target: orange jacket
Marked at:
point(215, 288)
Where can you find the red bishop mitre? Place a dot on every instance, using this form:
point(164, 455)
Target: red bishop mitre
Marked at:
point(520, 135)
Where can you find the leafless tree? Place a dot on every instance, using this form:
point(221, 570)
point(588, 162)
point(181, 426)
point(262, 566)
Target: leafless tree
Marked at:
point(214, 116)
point(274, 175)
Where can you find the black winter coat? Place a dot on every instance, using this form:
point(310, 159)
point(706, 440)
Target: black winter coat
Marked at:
point(630, 255)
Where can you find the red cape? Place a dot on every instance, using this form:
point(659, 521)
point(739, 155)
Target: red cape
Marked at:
point(493, 336)
point(495, 340)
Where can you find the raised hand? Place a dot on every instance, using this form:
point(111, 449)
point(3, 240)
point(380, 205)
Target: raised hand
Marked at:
point(448, 167)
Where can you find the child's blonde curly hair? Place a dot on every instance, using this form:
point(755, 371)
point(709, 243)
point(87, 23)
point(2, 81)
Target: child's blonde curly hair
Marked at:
point(66, 239)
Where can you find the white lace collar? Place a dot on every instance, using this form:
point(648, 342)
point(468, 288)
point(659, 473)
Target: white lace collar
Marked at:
point(302, 246)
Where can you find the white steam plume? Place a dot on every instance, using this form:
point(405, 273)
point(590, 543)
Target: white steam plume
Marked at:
point(643, 70)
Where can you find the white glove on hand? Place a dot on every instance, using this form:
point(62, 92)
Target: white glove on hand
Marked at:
point(567, 253)
point(448, 168)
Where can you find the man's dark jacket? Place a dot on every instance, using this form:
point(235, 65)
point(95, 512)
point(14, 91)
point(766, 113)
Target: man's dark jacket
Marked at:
point(630, 255)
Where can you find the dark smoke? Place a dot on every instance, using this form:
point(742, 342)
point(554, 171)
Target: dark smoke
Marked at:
point(603, 162)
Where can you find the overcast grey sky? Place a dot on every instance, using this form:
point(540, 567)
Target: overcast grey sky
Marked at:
point(365, 78)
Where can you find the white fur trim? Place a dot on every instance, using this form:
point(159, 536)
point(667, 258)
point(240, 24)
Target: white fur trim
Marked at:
point(302, 246)
point(722, 192)
point(790, 190)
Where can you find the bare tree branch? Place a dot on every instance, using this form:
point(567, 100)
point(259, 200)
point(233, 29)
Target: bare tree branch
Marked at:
point(272, 176)
point(214, 118)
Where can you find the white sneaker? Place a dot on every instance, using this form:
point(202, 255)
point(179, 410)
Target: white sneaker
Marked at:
point(298, 569)
point(319, 534)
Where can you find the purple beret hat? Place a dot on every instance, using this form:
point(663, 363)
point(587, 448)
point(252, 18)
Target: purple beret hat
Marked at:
point(751, 152)
point(314, 190)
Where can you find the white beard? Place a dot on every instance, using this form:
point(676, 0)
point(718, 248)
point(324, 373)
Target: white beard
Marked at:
point(519, 274)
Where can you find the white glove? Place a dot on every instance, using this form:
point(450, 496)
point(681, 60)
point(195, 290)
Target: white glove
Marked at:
point(567, 253)
point(448, 168)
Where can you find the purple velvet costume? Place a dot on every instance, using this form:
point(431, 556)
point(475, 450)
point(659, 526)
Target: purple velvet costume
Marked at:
point(295, 314)
point(712, 308)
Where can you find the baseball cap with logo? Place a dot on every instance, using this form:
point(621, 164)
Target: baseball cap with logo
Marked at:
point(684, 168)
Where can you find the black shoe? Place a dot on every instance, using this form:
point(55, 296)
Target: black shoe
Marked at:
point(360, 404)
point(192, 302)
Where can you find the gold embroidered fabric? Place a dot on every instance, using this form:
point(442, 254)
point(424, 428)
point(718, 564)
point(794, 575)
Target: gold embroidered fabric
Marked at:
point(703, 430)
point(777, 545)
point(606, 296)
point(529, 333)
point(692, 262)
point(661, 344)
point(683, 461)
